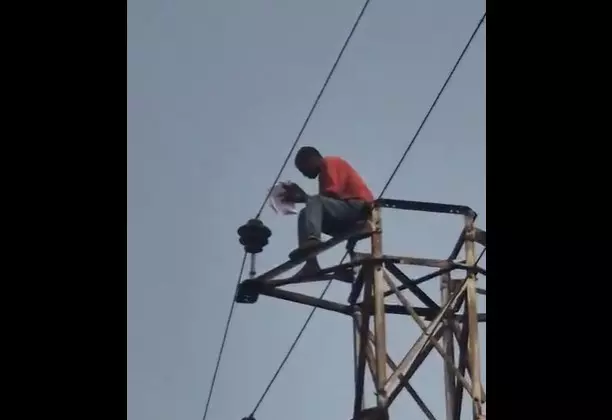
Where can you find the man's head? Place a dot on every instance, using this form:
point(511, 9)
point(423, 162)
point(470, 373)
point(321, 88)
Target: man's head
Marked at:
point(308, 161)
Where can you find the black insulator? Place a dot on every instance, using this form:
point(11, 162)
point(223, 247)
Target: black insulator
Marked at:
point(254, 236)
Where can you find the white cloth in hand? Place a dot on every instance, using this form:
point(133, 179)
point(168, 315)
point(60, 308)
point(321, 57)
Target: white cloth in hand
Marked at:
point(276, 202)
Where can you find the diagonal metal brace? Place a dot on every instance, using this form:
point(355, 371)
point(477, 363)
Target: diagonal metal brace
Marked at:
point(288, 265)
point(393, 382)
point(411, 286)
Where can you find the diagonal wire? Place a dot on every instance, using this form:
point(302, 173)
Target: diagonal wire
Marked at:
point(297, 338)
point(293, 345)
point(435, 102)
point(299, 136)
point(227, 325)
point(314, 105)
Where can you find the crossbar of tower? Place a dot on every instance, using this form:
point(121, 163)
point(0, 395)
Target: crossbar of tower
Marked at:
point(378, 278)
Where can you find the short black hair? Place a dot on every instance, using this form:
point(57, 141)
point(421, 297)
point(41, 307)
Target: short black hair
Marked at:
point(306, 152)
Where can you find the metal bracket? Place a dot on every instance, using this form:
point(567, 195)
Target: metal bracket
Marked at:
point(426, 206)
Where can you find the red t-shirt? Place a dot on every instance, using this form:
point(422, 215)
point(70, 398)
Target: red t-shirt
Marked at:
point(338, 177)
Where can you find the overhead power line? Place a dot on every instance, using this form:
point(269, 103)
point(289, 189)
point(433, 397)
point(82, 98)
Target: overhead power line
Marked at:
point(263, 204)
point(297, 338)
point(227, 324)
point(314, 105)
point(435, 102)
point(433, 105)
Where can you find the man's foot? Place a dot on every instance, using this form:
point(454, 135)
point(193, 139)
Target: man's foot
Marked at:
point(305, 248)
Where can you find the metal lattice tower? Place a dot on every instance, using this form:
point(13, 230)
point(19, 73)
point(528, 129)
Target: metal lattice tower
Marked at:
point(454, 318)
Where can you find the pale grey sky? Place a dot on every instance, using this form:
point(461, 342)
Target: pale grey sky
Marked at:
point(217, 91)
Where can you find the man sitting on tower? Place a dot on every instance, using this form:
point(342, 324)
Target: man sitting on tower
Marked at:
point(343, 201)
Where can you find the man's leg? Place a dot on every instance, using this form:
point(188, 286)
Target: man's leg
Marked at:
point(309, 235)
point(328, 215)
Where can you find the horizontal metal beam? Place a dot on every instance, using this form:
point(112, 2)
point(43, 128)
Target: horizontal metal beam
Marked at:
point(299, 280)
point(421, 262)
point(305, 300)
point(321, 275)
point(426, 206)
point(464, 266)
point(427, 313)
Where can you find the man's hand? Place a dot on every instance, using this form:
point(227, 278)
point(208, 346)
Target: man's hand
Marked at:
point(293, 193)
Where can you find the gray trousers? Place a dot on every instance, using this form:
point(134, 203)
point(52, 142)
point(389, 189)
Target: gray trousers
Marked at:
point(328, 215)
